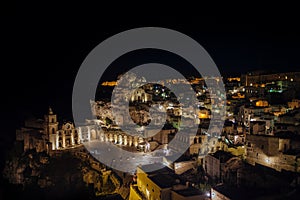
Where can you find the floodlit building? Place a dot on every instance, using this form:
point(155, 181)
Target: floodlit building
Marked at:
point(254, 78)
point(280, 152)
point(46, 135)
point(140, 95)
point(295, 103)
point(246, 113)
point(214, 164)
point(162, 184)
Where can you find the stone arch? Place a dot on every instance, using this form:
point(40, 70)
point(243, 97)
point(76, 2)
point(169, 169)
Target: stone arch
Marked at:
point(120, 139)
point(195, 140)
point(93, 134)
point(115, 138)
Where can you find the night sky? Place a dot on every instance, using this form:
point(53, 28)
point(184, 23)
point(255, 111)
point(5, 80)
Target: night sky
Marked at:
point(44, 50)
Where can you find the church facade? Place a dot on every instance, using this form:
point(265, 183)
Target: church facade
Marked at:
point(47, 135)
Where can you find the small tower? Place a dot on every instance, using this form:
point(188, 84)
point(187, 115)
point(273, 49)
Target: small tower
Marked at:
point(51, 127)
point(51, 124)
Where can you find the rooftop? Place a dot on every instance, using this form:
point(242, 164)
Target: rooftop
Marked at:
point(222, 155)
point(179, 158)
point(190, 191)
point(238, 193)
point(164, 177)
point(258, 122)
point(159, 166)
point(287, 135)
point(164, 180)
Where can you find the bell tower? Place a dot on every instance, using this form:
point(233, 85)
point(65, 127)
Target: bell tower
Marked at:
point(51, 128)
point(50, 124)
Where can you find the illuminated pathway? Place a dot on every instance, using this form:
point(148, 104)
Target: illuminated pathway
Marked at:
point(117, 158)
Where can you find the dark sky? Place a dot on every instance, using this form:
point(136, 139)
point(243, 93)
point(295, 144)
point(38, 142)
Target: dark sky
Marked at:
point(45, 48)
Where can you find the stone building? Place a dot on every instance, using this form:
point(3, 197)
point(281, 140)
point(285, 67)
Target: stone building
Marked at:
point(215, 163)
point(254, 78)
point(65, 137)
point(258, 127)
point(282, 127)
point(246, 113)
point(162, 184)
point(199, 144)
point(46, 135)
point(93, 132)
point(140, 95)
point(32, 135)
point(295, 103)
point(280, 152)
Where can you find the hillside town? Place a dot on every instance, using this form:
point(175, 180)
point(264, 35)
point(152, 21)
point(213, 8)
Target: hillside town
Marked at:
point(256, 154)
